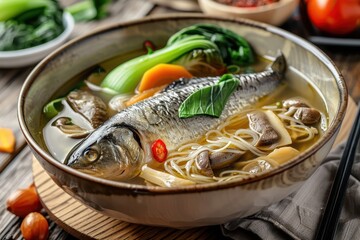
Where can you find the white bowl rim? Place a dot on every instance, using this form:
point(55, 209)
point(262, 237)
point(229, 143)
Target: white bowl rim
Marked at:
point(197, 187)
point(247, 10)
point(69, 26)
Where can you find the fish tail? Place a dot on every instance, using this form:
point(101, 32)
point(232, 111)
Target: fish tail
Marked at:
point(279, 65)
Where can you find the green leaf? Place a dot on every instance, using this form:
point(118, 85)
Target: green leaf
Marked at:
point(209, 100)
point(234, 49)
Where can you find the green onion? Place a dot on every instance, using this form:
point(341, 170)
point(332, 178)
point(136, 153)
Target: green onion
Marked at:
point(163, 179)
point(53, 108)
point(233, 69)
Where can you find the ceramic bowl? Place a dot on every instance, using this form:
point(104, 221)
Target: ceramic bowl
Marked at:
point(28, 56)
point(190, 206)
point(275, 13)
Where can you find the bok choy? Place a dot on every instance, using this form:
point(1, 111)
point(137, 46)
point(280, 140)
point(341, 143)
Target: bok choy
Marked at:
point(198, 48)
point(234, 49)
point(28, 23)
point(126, 76)
point(12, 8)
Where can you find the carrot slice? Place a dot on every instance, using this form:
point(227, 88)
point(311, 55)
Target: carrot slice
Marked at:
point(7, 140)
point(162, 74)
point(143, 95)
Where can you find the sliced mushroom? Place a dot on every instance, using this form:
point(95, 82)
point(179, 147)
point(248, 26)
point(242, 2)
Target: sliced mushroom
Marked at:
point(276, 124)
point(307, 116)
point(65, 125)
point(294, 102)
point(220, 160)
point(90, 106)
point(259, 123)
point(203, 164)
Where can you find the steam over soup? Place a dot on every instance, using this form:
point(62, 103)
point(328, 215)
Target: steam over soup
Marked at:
point(201, 109)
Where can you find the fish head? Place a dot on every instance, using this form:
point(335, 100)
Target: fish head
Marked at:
point(111, 153)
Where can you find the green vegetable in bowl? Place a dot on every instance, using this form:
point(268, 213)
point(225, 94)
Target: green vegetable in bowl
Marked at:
point(125, 77)
point(28, 23)
point(88, 10)
point(53, 108)
point(234, 49)
point(217, 46)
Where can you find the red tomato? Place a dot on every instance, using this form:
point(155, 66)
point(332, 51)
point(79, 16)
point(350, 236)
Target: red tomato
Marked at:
point(159, 150)
point(334, 16)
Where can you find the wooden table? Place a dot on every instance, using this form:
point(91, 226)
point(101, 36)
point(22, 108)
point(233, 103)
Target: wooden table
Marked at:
point(15, 169)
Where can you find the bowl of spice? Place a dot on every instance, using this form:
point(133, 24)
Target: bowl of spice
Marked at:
point(274, 12)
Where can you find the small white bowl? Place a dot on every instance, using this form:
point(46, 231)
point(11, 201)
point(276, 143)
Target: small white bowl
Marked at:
point(274, 13)
point(28, 56)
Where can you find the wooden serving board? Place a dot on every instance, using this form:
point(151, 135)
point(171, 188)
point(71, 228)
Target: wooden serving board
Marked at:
point(85, 223)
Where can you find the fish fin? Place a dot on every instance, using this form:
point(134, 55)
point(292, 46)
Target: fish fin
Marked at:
point(279, 65)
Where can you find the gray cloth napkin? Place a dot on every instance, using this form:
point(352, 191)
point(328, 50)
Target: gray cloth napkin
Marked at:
point(298, 215)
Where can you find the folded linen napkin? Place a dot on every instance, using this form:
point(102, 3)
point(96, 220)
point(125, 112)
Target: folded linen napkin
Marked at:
point(298, 215)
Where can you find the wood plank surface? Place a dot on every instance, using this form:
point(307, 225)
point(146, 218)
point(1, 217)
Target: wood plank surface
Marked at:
point(85, 223)
point(349, 64)
point(10, 85)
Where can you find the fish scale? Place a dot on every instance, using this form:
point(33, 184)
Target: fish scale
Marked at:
point(161, 111)
point(158, 118)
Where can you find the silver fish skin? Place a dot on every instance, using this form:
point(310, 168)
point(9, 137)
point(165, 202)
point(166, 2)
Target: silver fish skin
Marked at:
point(122, 145)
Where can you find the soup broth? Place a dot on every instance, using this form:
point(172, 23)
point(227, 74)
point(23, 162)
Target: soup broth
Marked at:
point(177, 164)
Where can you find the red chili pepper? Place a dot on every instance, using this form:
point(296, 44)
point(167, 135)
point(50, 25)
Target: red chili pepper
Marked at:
point(159, 150)
point(149, 46)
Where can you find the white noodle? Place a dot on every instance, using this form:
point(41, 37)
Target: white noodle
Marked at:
point(182, 163)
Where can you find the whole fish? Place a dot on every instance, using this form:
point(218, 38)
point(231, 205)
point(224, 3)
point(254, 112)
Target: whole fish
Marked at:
point(122, 145)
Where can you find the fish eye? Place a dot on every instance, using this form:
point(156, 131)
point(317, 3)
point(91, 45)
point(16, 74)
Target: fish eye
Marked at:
point(91, 154)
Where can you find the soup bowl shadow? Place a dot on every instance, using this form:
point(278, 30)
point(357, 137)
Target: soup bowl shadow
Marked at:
point(191, 206)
